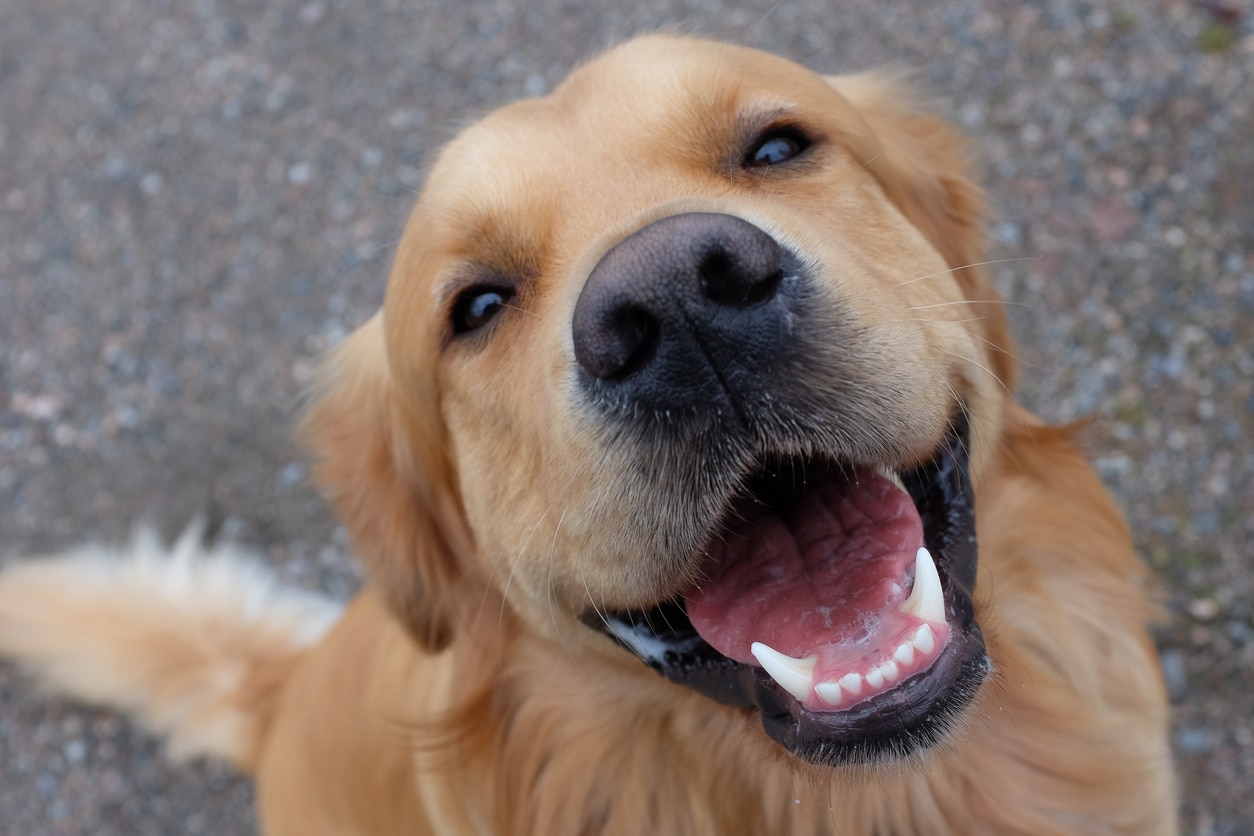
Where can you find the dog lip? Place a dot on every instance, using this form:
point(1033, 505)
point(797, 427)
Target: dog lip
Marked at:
point(910, 715)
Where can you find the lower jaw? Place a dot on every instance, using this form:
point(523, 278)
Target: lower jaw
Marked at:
point(914, 715)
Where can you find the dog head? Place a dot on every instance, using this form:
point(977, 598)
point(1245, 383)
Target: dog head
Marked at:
point(693, 355)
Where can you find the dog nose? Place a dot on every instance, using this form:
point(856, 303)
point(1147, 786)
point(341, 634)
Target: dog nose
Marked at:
point(683, 308)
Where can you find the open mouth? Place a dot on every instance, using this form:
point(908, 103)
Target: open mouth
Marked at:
point(836, 599)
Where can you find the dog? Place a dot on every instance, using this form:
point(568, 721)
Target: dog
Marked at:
point(693, 500)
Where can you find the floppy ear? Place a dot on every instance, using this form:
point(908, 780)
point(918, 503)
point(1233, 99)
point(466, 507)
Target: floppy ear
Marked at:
point(923, 165)
point(384, 472)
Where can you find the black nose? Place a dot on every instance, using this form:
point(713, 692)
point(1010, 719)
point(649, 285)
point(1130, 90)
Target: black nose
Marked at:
point(685, 309)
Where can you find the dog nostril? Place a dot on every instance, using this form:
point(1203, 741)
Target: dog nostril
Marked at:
point(729, 282)
point(638, 338)
point(627, 343)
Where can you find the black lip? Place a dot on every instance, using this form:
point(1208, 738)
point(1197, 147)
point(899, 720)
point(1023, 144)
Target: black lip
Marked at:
point(910, 716)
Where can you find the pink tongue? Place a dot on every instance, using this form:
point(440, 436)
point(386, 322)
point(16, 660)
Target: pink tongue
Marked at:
point(830, 572)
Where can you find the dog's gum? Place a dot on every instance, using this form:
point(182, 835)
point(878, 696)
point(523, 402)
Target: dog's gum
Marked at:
point(839, 686)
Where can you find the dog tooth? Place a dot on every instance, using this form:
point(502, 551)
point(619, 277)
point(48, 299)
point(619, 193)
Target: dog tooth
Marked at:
point(875, 678)
point(889, 670)
point(829, 692)
point(927, 599)
point(904, 653)
point(891, 475)
point(851, 684)
point(923, 639)
point(793, 675)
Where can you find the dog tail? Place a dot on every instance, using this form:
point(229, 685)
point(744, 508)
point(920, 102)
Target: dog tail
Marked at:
point(195, 641)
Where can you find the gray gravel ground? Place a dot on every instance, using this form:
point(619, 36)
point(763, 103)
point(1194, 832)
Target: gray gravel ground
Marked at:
point(198, 197)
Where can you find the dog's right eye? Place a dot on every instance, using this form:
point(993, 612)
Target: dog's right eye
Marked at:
point(776, 145)
point(477, 306)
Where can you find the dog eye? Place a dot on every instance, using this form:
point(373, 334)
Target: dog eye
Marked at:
point(777, 145)
point(477, 306)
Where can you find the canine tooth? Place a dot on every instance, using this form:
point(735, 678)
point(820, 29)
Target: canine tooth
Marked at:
point(891, 475)
point(927, 599)
point(793, 675)
point(923, 639)
point(829, 692)
point(889, 670)
point(875, 678)
point(904, 653)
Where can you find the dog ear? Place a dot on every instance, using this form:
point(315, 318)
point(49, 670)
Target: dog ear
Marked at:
point(923, 165)
point(384, 472)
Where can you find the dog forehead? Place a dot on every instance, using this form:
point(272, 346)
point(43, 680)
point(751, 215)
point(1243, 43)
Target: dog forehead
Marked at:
point(644, 69)
point(653, 101)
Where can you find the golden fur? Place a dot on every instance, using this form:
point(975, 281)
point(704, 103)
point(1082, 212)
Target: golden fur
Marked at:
point(459, 693)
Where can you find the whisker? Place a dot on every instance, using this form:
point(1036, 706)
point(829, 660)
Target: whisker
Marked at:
point(601, 616)
point(1003, 350)
point(605, 619)
point(520, 310)
point(967, 267)
point(500, 623)
point(666, 620)
point(973, 429)
point(548, 583)
point(994, 346)
point(982, 368)
point(941, 321)
point(974, 302)
point(487, 589)
point(762, 20)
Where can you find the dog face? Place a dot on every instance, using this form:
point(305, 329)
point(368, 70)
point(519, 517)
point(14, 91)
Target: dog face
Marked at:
point(691, 352)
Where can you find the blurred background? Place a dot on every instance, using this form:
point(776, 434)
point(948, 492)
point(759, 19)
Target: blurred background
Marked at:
point(199, 196)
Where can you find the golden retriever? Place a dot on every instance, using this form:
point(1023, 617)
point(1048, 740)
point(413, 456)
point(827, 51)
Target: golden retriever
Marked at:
point(669, 455)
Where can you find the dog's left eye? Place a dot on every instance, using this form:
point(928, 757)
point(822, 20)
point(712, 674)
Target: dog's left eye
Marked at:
point(477, 306)
point(775, 146)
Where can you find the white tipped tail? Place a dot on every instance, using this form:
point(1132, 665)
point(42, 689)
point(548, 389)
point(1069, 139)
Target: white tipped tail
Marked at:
point(188, 639)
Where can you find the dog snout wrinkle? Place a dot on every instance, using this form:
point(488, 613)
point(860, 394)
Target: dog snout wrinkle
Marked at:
point(684, 311)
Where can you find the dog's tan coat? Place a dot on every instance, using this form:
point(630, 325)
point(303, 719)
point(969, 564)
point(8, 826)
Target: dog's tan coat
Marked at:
point(460, 694)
